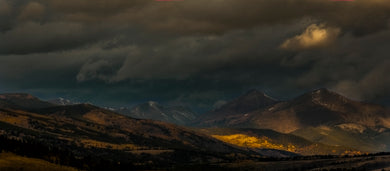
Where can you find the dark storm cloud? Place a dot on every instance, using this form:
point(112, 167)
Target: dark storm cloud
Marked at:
point(361, 16)
point(194, 50)
point(34, 37)
point(223, 15)
point(188, 56)
point(355, 66)
point(39, 26)
point(5, 8)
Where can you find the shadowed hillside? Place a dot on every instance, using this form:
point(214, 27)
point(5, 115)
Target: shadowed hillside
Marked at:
point(88, 133)
point(320, 116)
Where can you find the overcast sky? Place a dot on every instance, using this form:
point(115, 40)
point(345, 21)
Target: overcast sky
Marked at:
point(193, 52)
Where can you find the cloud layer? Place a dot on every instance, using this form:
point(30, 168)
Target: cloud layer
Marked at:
point(188, 47)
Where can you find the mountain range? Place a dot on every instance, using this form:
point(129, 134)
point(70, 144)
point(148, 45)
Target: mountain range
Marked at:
point(87, 133)
point(251, 127)
point(320, 116)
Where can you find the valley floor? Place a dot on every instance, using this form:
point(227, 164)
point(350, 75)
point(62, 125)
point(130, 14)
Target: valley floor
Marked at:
point(379, 163)
point(10, 161)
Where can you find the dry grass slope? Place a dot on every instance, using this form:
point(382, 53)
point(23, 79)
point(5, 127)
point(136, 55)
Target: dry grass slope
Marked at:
point(264, 142)
point(253, 142)
point(10, 161)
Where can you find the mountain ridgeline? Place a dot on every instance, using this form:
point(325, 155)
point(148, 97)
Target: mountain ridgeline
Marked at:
point(236, 111)
point(321, 116)
point(152, 110)
point(82, 135)
point(252, 127)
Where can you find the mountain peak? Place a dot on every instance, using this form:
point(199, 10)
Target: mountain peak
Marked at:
point(256, 93)
point(152, 103)
point(324, 93)
point(62, 101)
point(322, 96)
point(250, 101)
point(320, 90)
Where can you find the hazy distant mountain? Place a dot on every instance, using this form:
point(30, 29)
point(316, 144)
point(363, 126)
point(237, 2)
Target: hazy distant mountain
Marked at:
point(62, 101)
point(236, 111)
point(22, 100)
point(152, 110)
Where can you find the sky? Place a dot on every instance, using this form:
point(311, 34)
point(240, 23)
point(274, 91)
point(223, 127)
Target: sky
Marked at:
point(198, 53)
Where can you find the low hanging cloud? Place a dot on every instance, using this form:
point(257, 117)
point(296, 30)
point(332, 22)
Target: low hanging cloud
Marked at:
point(315, 36)
point(374, 84)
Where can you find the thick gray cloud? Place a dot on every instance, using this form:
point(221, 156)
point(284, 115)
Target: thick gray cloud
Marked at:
point(189, 50)
point(361, 16)
point(188, 56)
point(32, 11)
point(223, 15)
point(34, 37)
point(354, 66)
point(5, 8)
point(44, 26)
point(93, 20)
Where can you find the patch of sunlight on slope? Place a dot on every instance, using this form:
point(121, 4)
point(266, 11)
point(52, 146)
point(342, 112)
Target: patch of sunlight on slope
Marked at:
point(10, 161)
point(254, 142)
point(264, 142)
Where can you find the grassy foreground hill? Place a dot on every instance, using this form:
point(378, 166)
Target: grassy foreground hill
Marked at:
point(10, 161)
point(89, 137)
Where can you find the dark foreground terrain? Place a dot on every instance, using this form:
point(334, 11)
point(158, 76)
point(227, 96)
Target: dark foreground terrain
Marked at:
point(369, 162)
point(37, 135)
point(379, 162)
